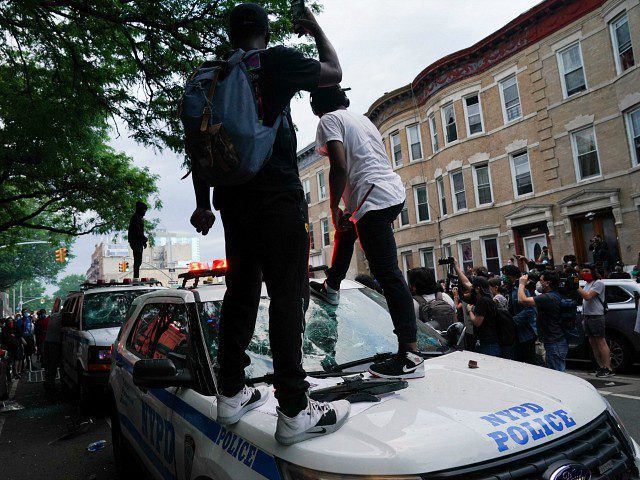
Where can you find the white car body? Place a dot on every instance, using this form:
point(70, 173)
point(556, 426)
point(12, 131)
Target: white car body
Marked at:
point(453, 419)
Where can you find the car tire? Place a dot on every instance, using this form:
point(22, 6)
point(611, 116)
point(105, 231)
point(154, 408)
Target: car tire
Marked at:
point(126, 464)
point(621, 352)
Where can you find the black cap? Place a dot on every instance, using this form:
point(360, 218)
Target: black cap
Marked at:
point(248, 16)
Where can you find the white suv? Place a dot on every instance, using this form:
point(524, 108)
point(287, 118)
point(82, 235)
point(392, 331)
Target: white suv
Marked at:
point(500, 420)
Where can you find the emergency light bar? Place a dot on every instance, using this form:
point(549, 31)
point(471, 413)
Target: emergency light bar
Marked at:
point(125, 282)
point(198, 270)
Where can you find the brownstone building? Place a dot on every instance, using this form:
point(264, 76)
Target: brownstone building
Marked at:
point(530, 137)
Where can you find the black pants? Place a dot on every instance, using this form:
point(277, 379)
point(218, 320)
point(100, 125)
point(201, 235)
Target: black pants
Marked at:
point(375, 230)
point(137, 259)
point(526, 352)
point(266, 238)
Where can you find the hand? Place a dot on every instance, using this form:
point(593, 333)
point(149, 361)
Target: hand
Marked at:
point(307, 24)
point(337, 215)
point(524, 279)
point(202, 220)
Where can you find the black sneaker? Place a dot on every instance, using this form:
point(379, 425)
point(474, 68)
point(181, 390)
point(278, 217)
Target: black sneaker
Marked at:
point(329, 295)
point(405, 365)
point(605, 372)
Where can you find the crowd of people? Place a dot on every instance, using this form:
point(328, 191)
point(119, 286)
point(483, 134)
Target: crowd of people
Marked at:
point(22, 337)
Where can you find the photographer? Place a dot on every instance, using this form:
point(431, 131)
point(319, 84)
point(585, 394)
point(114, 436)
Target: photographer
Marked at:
point(600, 250)
point(524, 316)
point(593, 311)
point(464, 292)
point(549, 316)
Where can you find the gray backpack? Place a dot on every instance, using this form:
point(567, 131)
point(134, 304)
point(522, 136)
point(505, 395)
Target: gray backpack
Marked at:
point(224, 137)
point(437, 312)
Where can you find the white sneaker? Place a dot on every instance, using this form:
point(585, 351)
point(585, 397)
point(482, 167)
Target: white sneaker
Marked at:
point(231, 409)
point(319, 418)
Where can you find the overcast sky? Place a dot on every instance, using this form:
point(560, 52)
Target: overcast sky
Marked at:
point(382, 45)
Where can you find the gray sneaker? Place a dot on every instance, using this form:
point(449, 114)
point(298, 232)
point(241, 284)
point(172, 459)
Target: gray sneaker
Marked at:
point(321, 290)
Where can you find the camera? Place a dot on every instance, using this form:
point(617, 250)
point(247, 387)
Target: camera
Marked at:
point(446, 261)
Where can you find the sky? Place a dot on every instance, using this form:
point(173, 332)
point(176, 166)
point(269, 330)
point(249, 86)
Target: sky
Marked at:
point(382, 45)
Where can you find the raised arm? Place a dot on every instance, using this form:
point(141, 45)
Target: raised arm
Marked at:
point(522, 295)
point(330, 70)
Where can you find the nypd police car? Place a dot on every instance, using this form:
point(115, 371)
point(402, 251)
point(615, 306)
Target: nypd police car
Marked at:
point(91, 320)
point(499, 419)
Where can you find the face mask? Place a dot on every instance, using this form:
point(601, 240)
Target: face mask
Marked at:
point(635, 273)
point(539, 287)
point(587, 277)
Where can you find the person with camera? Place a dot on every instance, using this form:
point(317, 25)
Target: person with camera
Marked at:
point(524, 317)
point(600, 250)
point(549, 316)
point(361, 175)
point(593, 313)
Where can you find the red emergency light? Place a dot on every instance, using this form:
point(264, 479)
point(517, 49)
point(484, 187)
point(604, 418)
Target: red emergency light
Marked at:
point(219, 265)
point(198, 266)
point(100, 282)
point(126, 281)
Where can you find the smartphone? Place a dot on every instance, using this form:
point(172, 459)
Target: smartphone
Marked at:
point(297, 9)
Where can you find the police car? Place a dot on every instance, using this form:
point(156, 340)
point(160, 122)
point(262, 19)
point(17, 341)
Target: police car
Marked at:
point(91, 320)
point(470, 417)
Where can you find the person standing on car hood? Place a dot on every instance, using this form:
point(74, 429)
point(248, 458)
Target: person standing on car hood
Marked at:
point(267, 237)
point(359, 162)
point(136, 237)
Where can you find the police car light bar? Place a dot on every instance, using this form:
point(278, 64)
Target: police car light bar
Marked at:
point(198, 270)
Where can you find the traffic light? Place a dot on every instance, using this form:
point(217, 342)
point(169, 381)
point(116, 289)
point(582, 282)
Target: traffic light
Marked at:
point(126, 266)
point(61, 255)
point(123, 266)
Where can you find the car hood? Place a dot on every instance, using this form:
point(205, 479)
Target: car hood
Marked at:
point(453, 417)
point(104, 337)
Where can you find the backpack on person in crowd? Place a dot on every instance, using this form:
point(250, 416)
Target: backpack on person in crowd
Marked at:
point(568, 316)
point(225, 139)
point(505, 327)
point(437, 312)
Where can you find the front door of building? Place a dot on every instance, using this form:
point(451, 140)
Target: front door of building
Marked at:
point(533, 246)
point(584, 228)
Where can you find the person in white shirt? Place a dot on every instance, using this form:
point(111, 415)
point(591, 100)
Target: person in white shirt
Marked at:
point(360, 166)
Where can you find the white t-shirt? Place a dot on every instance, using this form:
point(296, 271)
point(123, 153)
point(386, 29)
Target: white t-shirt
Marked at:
point(367, 162)
point(432, 296)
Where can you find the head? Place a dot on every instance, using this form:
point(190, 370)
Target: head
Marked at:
point(512, 273)
point(329, 99)
point(494, 286)
point(141, 208)
point(480, 287)
point(589, 273)
point(545, 249)
point(422, 281)
point(481, 271)
point(549, 281)
point(248, 26)
point(25, 312)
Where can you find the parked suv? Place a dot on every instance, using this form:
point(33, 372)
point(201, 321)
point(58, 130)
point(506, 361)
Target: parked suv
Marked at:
point(91, 320)
point(620, 322)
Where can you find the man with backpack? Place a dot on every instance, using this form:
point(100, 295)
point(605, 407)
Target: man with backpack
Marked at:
point(265, 219)
point(524, 317)
point(548, 306)
point(432, 305)
point(373, 195)
point(593, 312)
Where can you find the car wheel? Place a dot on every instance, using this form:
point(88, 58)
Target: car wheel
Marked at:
point(621, 352)
point(126, 463)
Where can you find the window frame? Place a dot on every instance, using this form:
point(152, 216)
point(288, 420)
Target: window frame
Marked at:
point(476, 185)
point(323, 222)
point(635, 157)
point(466, 114)
point(404, 209)
point(417, 205)
point(444, 123)
point(393, 151)
point(512, 166)
point(461, 262)
point(483, 249)
point(614, 42)
point(503, 102)
point(442, 196)
point(433, 129)
point(403, 256)
point(576, 161)
point(422, 252)
point(410, 145)
point(563, 74)
point(306, 187)
point(312, 240)
point(321, 197)
point(454, 199)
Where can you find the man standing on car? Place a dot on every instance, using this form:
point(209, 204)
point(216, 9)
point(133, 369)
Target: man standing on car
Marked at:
point(593, 313)
point(361, 176)
point(549, 318)
point(136, 237)
point(266, 237)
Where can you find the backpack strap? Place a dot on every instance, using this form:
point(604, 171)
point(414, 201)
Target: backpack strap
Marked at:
point(420, 299)
point(206, 112)
point(439, 296)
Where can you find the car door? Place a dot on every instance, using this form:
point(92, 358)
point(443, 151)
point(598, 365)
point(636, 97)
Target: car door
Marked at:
point(159, 330)
point(70, 337)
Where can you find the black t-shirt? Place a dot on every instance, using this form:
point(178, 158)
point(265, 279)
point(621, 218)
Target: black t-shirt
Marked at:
point(548, 317)
point(486, 308)
point(280, 72)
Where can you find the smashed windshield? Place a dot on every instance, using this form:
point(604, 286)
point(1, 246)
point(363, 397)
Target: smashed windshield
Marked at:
point(358, 328)
point(107, 309)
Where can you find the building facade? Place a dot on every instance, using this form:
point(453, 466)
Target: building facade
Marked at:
point(530, 137)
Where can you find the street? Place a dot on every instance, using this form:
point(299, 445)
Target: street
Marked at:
point(48, 439)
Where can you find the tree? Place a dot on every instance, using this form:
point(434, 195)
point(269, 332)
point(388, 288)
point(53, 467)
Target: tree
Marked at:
point(68, 284)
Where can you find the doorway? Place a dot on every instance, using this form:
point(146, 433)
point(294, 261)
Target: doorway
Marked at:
point(586, 226)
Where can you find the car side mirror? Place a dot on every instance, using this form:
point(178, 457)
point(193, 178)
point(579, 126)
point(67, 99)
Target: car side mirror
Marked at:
point(159, 373)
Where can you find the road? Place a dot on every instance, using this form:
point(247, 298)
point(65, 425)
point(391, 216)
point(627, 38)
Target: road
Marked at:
point(34, 444)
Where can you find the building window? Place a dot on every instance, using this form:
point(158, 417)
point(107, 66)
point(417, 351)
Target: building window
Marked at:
point(510, 99)
point(466, 255)
point(633, 125)
point(572, 70)
point(434, 133)
point(585, 153)
point(491, 255)
point(422, 203)
point(457, 187)
point(449, 122)
point(396, 150)
point(306, 185)
point(474, 114)
point(483, 185)
point(322, 187)
point(621, 38)
point(415, 145)
point(316, 260)
point(404, 216)
point(521, 171)
point(326, 238)
point(407, 262)
point(312, 241)
point(427, 258)
point(442, 196)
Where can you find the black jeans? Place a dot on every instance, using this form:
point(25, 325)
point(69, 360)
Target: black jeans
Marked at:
point(266, 238)
point(137, 259)
point(375, 231)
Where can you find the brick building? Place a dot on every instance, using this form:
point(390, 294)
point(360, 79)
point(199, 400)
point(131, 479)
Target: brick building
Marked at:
point(530, 137)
